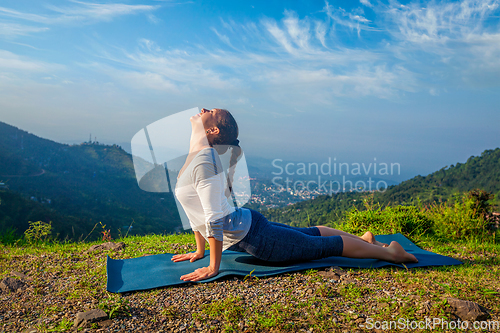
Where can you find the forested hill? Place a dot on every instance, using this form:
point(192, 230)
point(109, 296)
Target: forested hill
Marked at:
point(89, 183)
point(479, 172)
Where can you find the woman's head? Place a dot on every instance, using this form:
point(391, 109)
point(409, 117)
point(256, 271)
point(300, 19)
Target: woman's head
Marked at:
point(220, 127)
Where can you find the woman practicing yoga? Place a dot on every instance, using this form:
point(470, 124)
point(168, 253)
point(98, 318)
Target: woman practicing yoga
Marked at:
point(202, 191)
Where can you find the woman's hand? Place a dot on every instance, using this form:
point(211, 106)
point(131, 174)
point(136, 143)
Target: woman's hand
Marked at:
point(193, 256)
point(200, 274)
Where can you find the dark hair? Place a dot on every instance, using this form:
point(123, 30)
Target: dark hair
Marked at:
point(228, 137)
point(228, 130)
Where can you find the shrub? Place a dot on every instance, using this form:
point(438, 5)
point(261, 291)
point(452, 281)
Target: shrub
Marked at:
point(408, 220)
point(38, 231)
point(479, 201)
point(464, 217)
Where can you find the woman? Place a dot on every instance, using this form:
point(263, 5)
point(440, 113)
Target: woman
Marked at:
point(201, 189)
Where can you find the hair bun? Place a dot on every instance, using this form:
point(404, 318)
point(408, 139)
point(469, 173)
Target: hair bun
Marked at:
point(236, 142)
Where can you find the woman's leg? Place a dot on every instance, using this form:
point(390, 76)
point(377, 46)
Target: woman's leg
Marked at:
point(278, 244)
point(357, 248)
point(367, 237)
point(312, 231)
point(271, 242)
point(327, 231)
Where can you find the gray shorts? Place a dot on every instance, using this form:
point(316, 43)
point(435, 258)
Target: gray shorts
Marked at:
point(276, 242)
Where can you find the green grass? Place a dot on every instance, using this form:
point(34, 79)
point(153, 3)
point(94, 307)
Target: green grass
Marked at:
point(115, 305)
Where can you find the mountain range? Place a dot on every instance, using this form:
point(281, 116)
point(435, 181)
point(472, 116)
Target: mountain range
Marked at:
point(75, 187)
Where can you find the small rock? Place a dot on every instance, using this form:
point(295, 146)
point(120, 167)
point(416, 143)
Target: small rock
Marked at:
point(107, 246)
point(11, 285)
point(338, 270)
point(467, 310)
point(106, 323)
point(92, 316)
point(329, 275)
point(346, 280)
point(426, 307)
point(21, 275)
point(383, 305)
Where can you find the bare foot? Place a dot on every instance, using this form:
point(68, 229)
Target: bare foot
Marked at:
point(399, 255)
point(370, 238)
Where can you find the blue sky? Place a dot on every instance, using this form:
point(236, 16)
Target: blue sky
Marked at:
point(410, 82)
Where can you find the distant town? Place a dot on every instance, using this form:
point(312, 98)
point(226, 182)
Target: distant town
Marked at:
point(266, 195)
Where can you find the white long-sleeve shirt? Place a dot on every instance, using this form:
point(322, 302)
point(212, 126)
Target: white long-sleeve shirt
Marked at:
point(201, 191)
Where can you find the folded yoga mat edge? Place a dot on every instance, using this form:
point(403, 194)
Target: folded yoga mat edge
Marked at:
point(155, 271)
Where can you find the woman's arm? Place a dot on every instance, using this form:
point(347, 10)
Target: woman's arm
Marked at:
point(215, 253)
point(200, 243)
point(198, 254)
point(193, 256)
point(212, 269)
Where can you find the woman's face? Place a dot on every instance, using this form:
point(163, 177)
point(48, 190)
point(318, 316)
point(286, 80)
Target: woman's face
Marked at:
point(210, 118)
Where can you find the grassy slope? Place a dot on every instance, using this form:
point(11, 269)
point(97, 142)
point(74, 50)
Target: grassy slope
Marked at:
point(67, 280)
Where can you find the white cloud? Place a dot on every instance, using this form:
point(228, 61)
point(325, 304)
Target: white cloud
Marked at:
point(279, 35)
point(12, 62)
point(352, 20)
point(227, 25)
point(153, 19)
point(366, 3)
point(298, 30)
point(14, 29)
point(24, 16)
point(80, 12)
point(378, 81)
point(174, 71)
point(459, 35)
point(320, 30)
point(149, 45)
point(440, 22)
point(222, 37)
point(99, 11)
point(147, 80)
point(288, 59)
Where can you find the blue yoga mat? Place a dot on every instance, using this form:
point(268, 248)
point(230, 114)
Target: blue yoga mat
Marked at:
point(159, 271)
